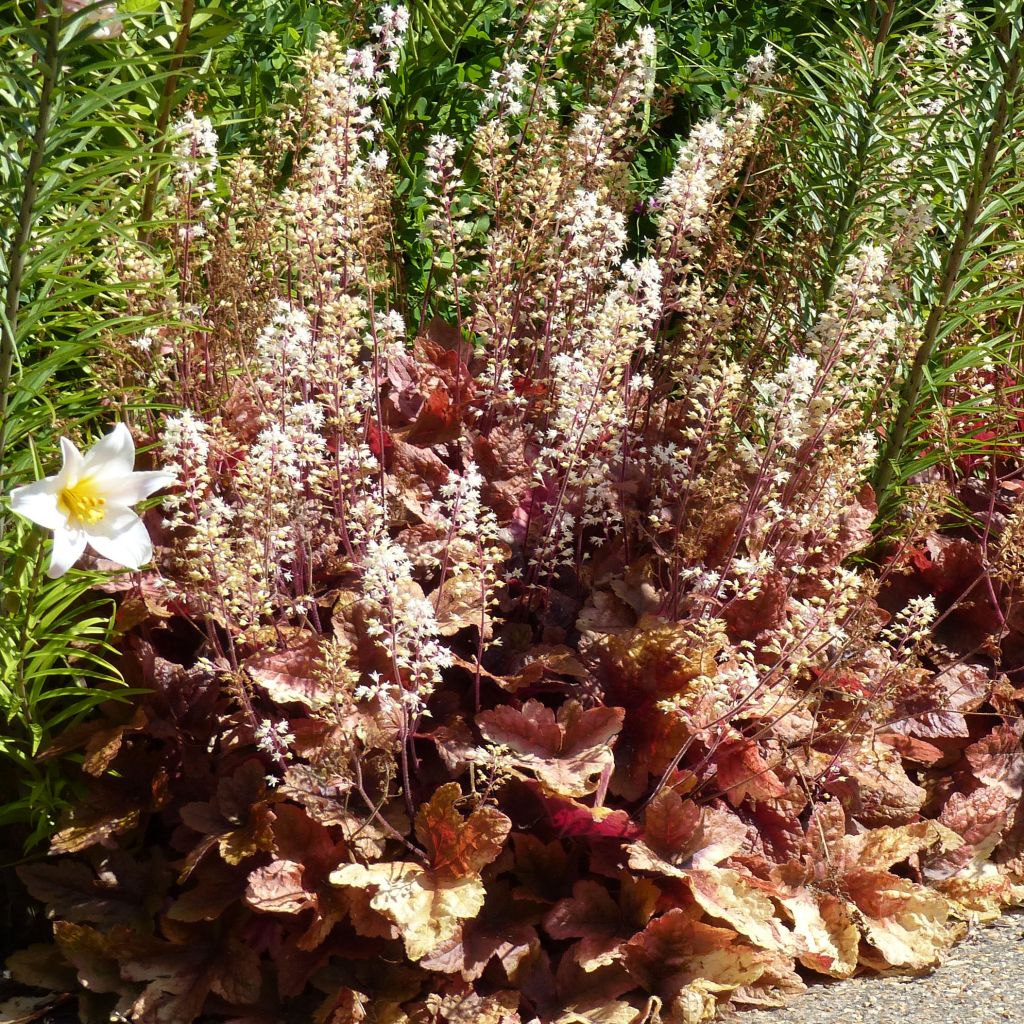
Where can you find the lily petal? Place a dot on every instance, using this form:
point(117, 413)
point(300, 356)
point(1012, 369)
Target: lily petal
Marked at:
point(122, 538)
point(133, 487)
point(38, 502)
point(111, 456)
point(68, 546)
point(71, 470)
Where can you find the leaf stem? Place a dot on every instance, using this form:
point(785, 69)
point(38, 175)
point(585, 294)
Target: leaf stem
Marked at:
point(18, 252)
point(911, 391)
point(166, 101)
point(865, 132)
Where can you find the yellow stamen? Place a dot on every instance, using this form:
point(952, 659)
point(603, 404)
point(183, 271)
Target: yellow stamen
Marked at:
point(82, 501)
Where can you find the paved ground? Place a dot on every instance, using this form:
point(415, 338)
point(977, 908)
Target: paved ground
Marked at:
point(982, 982)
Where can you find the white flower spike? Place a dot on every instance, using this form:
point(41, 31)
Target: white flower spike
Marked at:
point(89, 502)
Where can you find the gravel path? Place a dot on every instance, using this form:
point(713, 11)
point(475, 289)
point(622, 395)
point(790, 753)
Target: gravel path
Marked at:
point(982, 982)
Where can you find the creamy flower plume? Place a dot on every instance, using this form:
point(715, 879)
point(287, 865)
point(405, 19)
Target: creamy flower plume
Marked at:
point(89, 503)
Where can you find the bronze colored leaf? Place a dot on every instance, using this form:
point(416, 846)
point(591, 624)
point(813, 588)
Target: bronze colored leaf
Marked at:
point(743, 772)
point(277, 888)
point(290, 676)
point(567, 753)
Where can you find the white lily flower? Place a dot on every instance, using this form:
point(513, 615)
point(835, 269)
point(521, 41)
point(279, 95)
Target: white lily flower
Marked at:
point(110, 25)
point(89, 503)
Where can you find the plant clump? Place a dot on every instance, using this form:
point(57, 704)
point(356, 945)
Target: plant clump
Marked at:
point(521, 650)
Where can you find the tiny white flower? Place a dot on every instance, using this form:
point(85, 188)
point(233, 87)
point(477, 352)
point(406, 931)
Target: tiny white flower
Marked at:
point(89, 502)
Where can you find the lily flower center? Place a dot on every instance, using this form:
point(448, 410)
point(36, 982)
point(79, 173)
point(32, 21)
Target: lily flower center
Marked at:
point(82, 501)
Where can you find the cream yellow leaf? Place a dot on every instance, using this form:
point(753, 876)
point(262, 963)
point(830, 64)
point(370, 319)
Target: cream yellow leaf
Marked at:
point(425, 908)
point(643, 858)
point(909, 925)
point(826, 937)
point(982, 890)
point(471, 1008)
point(614, 1012)
point(881, 848)
point(725, 894)
point(720, 970)
point(725, 969)
point(694, 1004)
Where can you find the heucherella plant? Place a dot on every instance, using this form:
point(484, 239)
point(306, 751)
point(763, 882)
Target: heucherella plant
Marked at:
point(89, 503)
point(519, 622)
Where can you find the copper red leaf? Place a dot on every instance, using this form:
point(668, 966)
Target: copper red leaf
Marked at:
point(459, 846)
